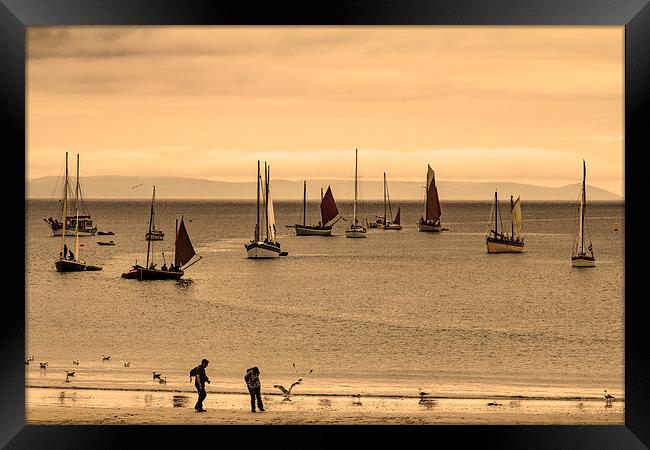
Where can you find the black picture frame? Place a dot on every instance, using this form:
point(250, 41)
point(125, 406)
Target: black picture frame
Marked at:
point(634, 15)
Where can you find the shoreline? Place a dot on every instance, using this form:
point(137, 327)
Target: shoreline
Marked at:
point(73, 405)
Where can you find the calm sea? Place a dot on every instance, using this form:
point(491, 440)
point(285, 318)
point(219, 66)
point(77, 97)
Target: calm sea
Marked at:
point(387, 314)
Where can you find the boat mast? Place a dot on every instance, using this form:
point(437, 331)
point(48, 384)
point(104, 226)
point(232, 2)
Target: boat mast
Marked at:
point(384, 198)
point(76, 212)
point(496, 212)
point(266, 199)
point(354, 209)
point(321, 208)
point(583, 204)
point(512, 224)
point(175, 240)
point(257, 225)
point(304, 203)
point(149, 234)
point(65, 205)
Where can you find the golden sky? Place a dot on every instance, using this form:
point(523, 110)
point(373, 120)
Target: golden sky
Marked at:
point(520, 104)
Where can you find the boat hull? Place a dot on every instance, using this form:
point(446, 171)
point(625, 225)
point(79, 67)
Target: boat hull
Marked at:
point(429, 227)
point(306, 230)
point(157, 274)
point(59, 232)
point(358, 232)
point(503, 246)
point(63, 265)
point(154, 236)
point(583, 261)
point(392, 226)
point(262, 250)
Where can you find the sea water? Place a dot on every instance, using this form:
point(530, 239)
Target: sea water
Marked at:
point(389, 314)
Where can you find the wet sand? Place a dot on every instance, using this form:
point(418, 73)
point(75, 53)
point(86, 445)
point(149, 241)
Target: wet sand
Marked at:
point(90, 406)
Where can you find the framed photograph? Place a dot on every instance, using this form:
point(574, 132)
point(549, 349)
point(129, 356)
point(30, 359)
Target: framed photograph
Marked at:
point(402, 218)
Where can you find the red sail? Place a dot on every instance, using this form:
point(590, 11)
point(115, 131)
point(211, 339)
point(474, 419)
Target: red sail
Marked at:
point(183, 249)
point(396, 221)
point(433, 204)
point(328, 209)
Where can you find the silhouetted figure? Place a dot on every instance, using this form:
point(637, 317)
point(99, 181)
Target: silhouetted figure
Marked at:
point(252, 379)
point(199, 382)
point(163, 267)
point(65, 251)
point(71, 255)
point(152, 266)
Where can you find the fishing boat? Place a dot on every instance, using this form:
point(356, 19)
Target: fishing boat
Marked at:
point(355, 230)
point(269, 247)
point(500, 241)
point(71, 262)
point(583, 255)
point(105, 243)
point(394, 223)
point(430, 220)
point(154, 234)
point(81, 224)
point(183, 254)
point(328, 212)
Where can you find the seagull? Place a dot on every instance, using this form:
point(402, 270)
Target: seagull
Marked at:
point(356, 399)
point(286, 392)
point(70, 374)
point(106, 358)
point(608, 398)
point(75, 362)
point(162, 380)
point(137, 185)
point(127, 363)
point(156, 375)
point(67, 378)
point(43, 365)
point(494, 404)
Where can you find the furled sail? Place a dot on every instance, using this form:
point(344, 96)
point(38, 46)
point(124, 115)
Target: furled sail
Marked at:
point(516, 217)
point(397, 218)
point(433, 203)
point(328, 210)
point(184, 251)
point(269, 208)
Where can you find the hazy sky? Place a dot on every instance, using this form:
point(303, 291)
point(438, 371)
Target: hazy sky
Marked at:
point(521, 104)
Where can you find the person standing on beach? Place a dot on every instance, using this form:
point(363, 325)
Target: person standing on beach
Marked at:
point(199, 381)
point(252, 379)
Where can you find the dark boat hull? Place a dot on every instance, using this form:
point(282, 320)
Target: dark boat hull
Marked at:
point(156, 274)
point(262, 250)
point(307, 230)
point(63, 265)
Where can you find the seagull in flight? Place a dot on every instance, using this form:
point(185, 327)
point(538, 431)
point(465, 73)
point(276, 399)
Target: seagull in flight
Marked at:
point(137, 185)
point(287, 392)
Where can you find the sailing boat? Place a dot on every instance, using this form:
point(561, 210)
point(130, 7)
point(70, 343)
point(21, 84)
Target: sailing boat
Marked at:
point(80, 224)
point(73, 263)
point(270, 247)
point(389, 224)
point(154, 234)
point(430, 220)
point(355, 230)
point(582, 257)
point(328, 212)
point(183, 253)
point(500, 241)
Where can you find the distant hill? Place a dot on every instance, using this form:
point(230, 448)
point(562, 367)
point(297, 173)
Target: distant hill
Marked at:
point(178, 187)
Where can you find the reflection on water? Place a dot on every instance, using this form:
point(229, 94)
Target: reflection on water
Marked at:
point(179, 401)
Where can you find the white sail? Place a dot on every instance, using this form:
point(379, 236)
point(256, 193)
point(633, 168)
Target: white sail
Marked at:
point(516, 217)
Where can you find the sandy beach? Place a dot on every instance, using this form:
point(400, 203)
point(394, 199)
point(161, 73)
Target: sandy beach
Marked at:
point(91, 406)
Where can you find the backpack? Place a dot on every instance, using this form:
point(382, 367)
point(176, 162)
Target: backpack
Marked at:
point(193, 373)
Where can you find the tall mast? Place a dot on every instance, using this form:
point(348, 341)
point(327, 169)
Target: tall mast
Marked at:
point(354, 210)
point(583, 204)
point(426, 194)
point(266, 199)
point(65, 204)
point(149, 234)
point(257, 225)
point(304, 203)
point(321, 208)
point(175, 240)
point(512, 224)
point(384, 198)
point(76, 212)
point(496, 211)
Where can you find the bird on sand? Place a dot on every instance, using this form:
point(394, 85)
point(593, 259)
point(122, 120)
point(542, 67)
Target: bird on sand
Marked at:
point(106, 358)
point(156, 375)
point(75, 362)
point(69, 373)
point(356, 399)
point(43, 365)
point(127, 363)
point(608, 398)
point(162, 380)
